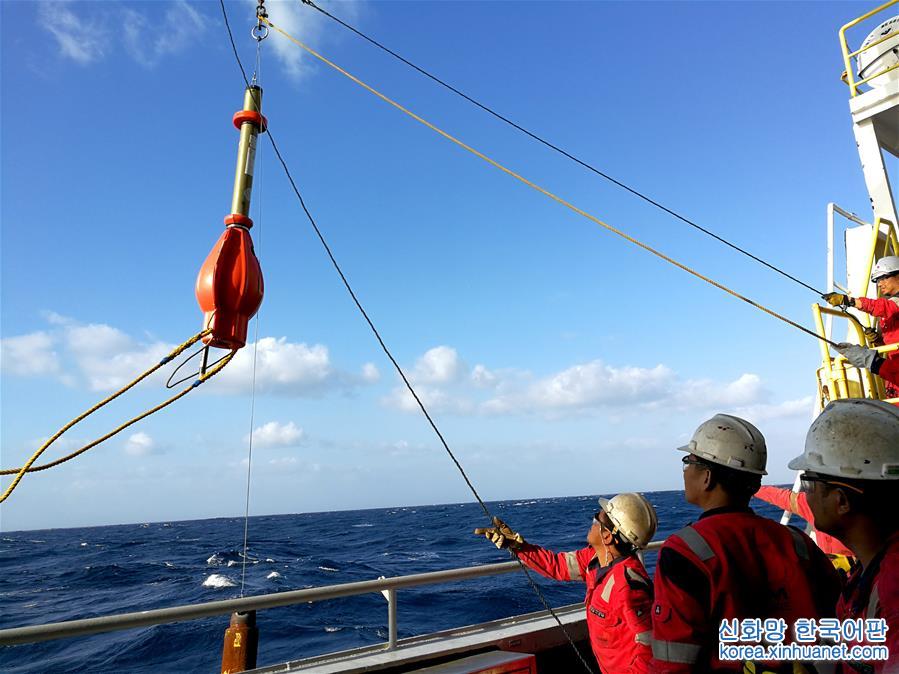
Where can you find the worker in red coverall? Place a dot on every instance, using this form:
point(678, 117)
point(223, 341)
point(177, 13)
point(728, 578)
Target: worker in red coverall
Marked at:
point(731, 563)
point(861, 357)
point(619, 591)
point(885, 274)
point(851, 464)
point(839, 555)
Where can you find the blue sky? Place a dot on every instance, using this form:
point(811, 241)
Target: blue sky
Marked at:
point(556, 358)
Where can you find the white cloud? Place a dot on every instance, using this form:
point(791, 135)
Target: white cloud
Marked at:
point(584, 388)
point(483, 378)
point(274, 434)
point(370, 373)
point(29, 355)
point(139, 444)
point(306, 25)
point(439, 365)
point(107, 357)
point(282, 367)
point(148, 41)
point(799, 408)
point(81, 39)
point(434, 399)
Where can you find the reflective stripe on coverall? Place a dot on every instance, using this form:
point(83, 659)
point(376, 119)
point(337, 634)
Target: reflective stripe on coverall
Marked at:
point(618, 601)
point(732, 563)
point(874, 593)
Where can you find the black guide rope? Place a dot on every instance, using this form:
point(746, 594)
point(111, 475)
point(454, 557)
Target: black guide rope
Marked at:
point(204, 350)
point(563, 152)
point(390, 356)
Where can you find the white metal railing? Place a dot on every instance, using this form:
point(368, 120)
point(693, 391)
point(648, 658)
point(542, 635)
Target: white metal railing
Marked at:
point(387, 586)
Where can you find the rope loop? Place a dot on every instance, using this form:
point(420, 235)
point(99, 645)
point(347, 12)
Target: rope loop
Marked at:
point(29, 466)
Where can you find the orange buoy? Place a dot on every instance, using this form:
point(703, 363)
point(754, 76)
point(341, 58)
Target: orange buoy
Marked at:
point(229, 287)
point(241, 643)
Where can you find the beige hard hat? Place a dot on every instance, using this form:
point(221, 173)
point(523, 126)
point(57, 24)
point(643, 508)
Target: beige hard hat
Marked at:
point(633, 517)
point(730, 441)
point(856, 438)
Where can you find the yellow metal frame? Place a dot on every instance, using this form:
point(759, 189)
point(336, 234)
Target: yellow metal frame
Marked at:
point(834, 382)
point(848, 77)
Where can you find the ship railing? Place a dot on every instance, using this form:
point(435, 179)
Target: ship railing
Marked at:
point(848, 55)
point(162, 616)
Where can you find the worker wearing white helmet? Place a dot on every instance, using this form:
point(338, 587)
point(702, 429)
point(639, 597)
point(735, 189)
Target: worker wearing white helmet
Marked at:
point(884, 273)
point(851, 477)
point(731, 563)
point(619, 591)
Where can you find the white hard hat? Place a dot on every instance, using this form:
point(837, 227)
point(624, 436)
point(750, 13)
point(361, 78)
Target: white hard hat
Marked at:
point(633, 517)
point(730, 441)
point(885, 266)
point(856, 438)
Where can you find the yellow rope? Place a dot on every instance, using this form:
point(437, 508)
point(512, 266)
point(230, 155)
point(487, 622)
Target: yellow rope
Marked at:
point(540, 189)
point(30, 468)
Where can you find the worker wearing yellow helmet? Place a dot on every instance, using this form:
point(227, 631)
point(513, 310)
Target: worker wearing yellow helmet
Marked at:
point(619, 591)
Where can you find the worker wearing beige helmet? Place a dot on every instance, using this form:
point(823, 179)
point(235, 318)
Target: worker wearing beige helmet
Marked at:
point(731, 563)
point(619, 591)
point(851, 478)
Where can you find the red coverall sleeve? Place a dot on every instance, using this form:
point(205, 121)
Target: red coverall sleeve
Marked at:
point(680, 621)
point(557, 565)
point(795, 502)
point(888, 589)
point(637, 612)
point(889, 371)
point(882, 307)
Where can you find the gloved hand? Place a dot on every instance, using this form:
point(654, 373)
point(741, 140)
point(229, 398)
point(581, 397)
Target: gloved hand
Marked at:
point(501, 535)
point(872, 337)
point(859, 356)
point(837, 299)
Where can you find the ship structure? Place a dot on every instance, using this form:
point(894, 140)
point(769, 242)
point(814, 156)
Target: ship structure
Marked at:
point(542, 642)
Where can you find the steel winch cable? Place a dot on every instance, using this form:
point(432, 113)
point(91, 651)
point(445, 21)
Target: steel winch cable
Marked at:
point(257, 72)
point(389, 354)
point(546, 192)
point(562, 151)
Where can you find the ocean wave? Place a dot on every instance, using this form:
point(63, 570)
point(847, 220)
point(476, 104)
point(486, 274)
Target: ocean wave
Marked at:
point(273, 574)
point(333, 629)
point(364, 524)
point(328, 568)
point(215, 560)
point(217, 580)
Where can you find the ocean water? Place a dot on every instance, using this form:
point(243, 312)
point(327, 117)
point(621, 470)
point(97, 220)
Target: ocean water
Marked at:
point(66, 574)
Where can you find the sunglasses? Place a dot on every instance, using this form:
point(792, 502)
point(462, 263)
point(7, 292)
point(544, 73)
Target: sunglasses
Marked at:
point(885, 276)
point(690, 460)
point(597, 521)
point(807, 483)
